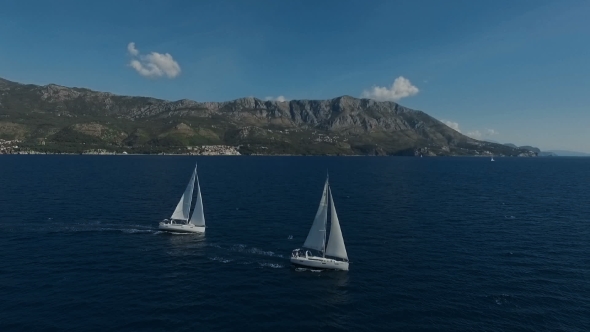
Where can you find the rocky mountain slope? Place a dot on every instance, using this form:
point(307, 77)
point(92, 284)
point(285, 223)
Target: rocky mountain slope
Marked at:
point(56, 117)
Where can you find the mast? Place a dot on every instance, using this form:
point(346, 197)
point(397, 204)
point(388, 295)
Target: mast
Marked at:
point(327, 204)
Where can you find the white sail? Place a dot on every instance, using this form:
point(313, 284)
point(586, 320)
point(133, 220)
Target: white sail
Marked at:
point(316, 238)
point(335, 247)
point(184, 205)
point(198, 217)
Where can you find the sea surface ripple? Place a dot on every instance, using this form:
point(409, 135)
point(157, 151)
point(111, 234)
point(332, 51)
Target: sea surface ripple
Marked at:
point(436, 244)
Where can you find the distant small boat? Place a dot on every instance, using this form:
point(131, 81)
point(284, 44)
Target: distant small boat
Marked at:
point(179, 221)
point(492, 158)
point(316, 240)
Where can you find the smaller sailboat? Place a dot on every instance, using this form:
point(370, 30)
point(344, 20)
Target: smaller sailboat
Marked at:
point(179, 221)
point(492, 158)
point(316, 240)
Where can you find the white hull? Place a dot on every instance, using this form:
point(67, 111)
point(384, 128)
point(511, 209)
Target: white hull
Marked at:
point(181, 228)
point(315, 262)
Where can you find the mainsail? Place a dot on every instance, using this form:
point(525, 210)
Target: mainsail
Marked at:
point(183, 207)
point(316, 238)
point(198, 217)
point(335, 247)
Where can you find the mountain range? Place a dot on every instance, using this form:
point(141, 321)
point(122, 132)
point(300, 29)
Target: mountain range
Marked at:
point(57, 118)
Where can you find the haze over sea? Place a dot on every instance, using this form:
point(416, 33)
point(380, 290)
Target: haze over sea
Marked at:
point(436, 244)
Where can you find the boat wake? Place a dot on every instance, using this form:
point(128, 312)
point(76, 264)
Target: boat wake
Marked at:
point(302, 269)
point(121, 230)
point(243, 255)
point(502, 299)
point(95, 226)
point(126, 229)
point(257, 251)
point(242, 248)
point(220, 259)
point(271, 265)
point(133, 231)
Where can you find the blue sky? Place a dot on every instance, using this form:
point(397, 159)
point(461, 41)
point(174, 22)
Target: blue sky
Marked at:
point(510, 71)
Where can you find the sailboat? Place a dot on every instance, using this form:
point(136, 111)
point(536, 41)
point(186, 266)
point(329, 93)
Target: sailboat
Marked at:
point(332, 256)
point(492, 158)
point(179, 221)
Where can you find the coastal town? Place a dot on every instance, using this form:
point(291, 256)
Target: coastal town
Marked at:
point(15, 147)
point(9, 146)
point(213, 150)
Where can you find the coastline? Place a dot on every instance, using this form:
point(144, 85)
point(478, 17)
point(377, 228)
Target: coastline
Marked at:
point(17, 147)
point(36, 153)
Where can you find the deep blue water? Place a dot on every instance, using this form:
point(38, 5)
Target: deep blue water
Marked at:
point(436, 244)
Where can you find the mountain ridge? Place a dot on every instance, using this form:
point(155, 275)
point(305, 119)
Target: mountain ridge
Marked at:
point(59, 116)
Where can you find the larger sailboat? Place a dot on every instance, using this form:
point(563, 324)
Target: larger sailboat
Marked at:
point(179, 221)
point(337, 258)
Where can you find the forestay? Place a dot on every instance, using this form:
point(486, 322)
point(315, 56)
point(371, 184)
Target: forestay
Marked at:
point(317, 234)
point(183, 208)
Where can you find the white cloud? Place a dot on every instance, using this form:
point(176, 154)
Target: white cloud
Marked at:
point(279, 98)
point(153, 64)
point(479, 135)
point(132, 50)
point(492, 132)
point(474, 134)
point(401, 88)
point(451, 124)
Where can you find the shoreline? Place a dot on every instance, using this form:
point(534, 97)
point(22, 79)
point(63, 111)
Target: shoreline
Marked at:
point(22, 153)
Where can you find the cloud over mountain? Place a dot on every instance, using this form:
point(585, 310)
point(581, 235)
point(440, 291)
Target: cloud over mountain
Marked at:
point(153, 65)
point(401, 88)
point(279, 98)
point(479, 135)
point(451, 124)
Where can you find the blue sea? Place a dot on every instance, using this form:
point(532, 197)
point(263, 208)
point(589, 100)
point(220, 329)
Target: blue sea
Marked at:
point(435, 244)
